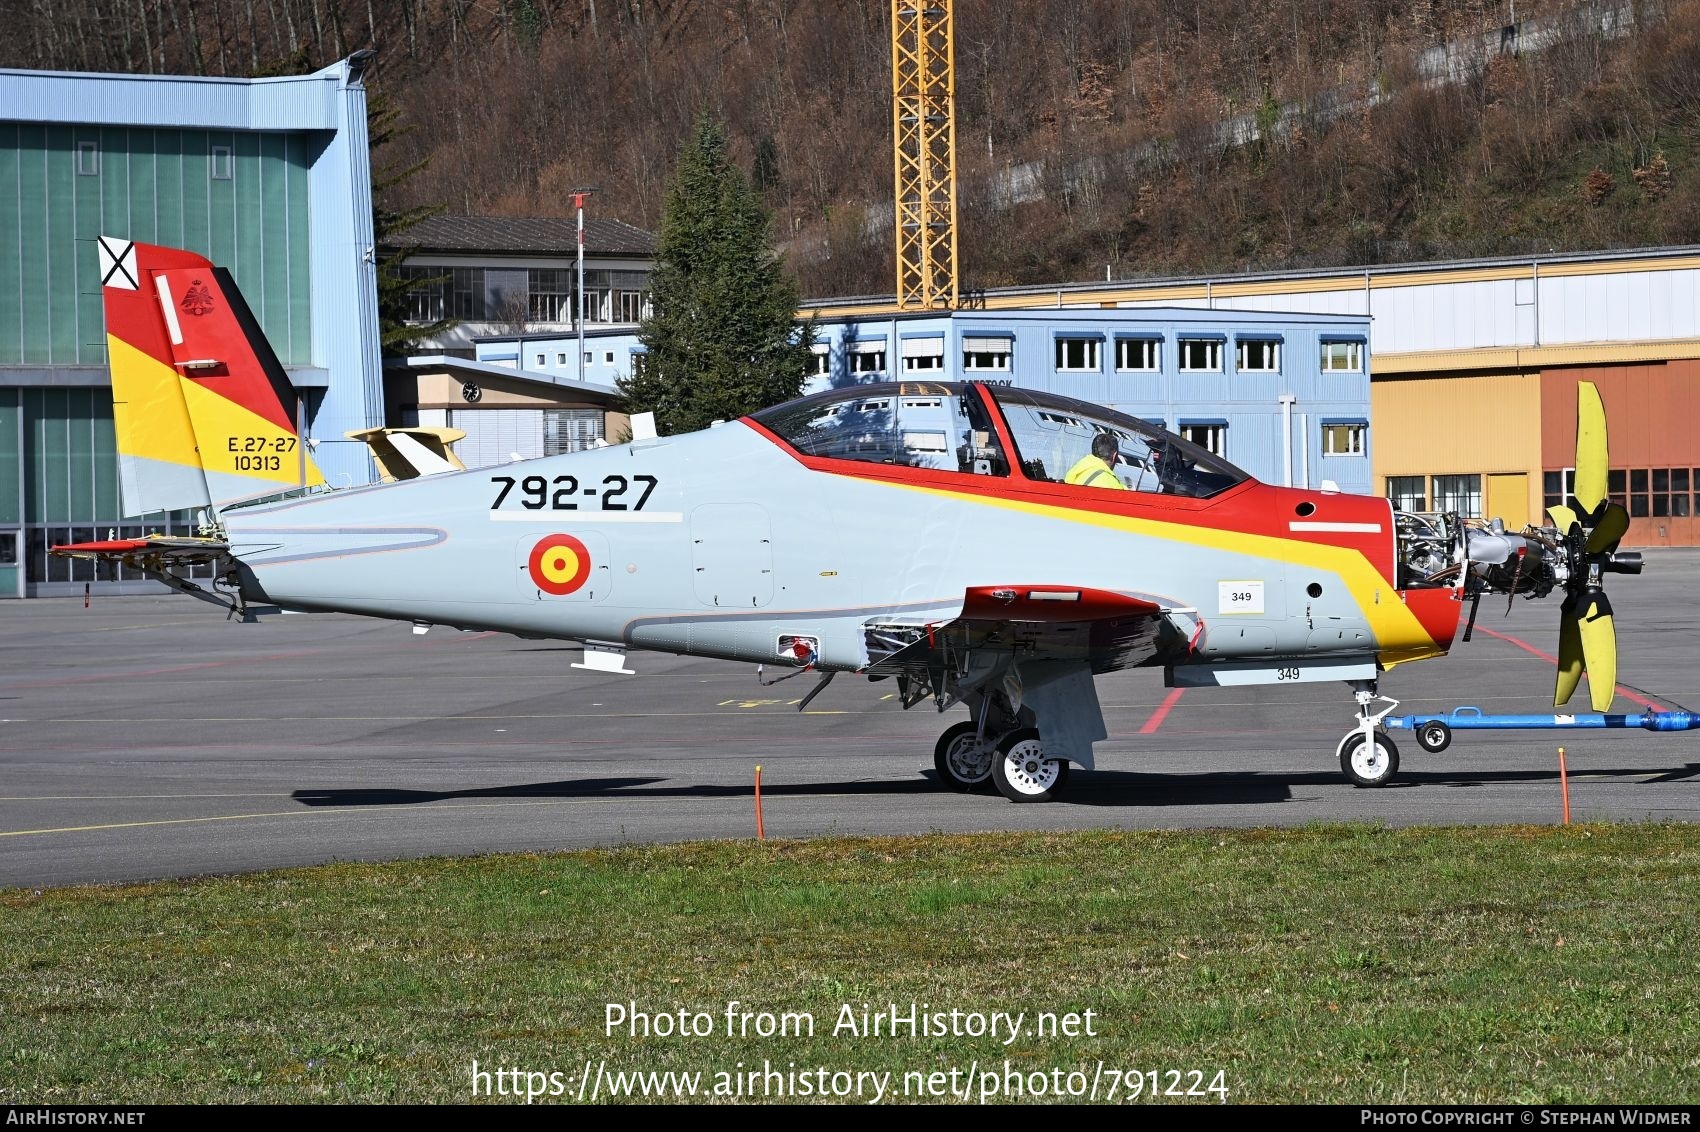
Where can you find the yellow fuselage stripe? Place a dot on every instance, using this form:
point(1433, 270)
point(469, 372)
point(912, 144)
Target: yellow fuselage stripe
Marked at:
point(1400, 636)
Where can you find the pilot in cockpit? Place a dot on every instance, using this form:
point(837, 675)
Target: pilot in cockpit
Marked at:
point(1097, 467)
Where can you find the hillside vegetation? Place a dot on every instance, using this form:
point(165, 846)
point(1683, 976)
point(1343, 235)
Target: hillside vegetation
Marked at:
point(1151, 136)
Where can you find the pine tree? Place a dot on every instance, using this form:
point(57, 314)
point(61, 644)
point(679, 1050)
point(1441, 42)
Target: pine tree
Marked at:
point(395, 287)
point(724, 338)
point(396, 335)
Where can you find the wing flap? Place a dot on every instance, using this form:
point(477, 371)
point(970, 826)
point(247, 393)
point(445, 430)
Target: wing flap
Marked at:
point(1051, 604)
point(1108, 630)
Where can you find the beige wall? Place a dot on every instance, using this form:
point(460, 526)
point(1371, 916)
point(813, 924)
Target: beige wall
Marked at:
point(1479, 424)
point(443, 391)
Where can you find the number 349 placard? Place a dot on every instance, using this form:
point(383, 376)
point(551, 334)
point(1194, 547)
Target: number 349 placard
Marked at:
point(1239, 597)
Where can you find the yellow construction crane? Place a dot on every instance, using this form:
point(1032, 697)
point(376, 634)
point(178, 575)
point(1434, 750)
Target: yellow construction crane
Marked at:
point(923, 104)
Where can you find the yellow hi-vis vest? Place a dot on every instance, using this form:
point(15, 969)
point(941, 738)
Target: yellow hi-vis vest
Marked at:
point(1091, 471)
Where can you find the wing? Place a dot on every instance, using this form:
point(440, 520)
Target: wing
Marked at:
point(1107, 630)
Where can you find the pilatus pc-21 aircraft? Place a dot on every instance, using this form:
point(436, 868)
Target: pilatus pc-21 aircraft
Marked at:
point(924, 532)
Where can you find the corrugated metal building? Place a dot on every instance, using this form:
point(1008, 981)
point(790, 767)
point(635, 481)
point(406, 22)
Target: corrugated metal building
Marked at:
point(1284, 396)
point(1474, 370)
point(268, 177)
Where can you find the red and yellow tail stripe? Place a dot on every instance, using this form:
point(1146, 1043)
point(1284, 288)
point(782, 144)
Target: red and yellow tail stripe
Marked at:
point(203, 411)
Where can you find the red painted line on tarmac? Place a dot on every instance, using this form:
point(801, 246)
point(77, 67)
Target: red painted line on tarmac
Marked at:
point(1162, 712)
point(1626, 693)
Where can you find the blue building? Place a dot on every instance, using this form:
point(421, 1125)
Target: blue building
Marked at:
point(268, 177)
point(1285, 396)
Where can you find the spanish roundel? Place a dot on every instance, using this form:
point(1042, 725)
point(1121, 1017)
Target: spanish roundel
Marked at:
point(559, 564)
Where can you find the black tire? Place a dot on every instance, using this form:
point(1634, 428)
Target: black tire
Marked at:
point(1021, 771)
point(1377, 769)
point(1434, 736)
point(953, 759)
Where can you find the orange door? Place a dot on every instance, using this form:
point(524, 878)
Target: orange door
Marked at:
point(1508, 499)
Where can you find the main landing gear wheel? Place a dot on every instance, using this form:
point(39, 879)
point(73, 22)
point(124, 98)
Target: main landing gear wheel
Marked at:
point(1022, 771)
point(963, 761)
point(1434, 736)
point(1368, 764)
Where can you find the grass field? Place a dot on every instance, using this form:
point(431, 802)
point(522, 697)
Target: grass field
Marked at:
point(1324, 965)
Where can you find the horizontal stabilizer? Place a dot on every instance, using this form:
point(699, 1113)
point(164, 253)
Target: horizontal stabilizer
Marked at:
point(151, 552)
point(408, 453)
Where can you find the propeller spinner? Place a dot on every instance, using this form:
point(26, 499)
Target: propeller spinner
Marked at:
point(1591, 527)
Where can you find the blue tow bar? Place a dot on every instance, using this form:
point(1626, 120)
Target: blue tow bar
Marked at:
point(1473, 719)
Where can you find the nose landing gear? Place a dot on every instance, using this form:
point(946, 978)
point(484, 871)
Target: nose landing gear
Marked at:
point(1368, 757)
point(1368, 763)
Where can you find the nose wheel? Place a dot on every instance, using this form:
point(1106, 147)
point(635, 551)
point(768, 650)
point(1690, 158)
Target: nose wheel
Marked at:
point(1371, 762)
point(1367, 756)
point(1023, 773)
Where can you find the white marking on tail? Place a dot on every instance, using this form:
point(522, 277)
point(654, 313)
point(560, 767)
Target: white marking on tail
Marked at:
point(117, 263)
point(169, 308)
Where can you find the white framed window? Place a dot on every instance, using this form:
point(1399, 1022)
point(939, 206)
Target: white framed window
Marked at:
point(608, 358)
point(1344, 438)
point(923, 355)
point(1201, 355)
point(88, 159)
point(1077, 355)
point(561, 359)
point(223, 167)
point(1257, 355)
point(589, 357)
point(1342, 357)
point(820, 361)
point(1212, 437)
point(540, 361)
point(867, 357)
point(1138, 355)
point(1560, 484)
point(549, 294)
point(986, 354)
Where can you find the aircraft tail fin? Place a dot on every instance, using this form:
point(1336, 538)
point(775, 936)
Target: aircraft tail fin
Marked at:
point(204, 413)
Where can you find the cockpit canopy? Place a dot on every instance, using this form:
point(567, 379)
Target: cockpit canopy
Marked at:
point(945, 426)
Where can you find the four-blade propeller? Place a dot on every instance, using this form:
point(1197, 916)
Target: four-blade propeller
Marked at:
point(1590, 526)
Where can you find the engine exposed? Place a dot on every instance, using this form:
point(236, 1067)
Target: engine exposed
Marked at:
point(1439, 549)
